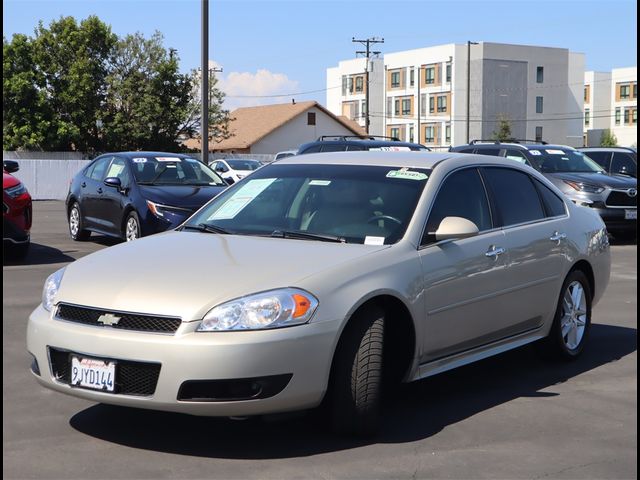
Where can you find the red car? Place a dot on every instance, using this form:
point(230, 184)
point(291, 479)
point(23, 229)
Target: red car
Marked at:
point(16, 210)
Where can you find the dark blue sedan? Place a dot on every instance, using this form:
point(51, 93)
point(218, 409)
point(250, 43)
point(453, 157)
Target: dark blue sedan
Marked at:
point(134, 194)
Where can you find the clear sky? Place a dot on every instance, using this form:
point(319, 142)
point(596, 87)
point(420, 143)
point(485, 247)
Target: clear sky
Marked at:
point(279, 47)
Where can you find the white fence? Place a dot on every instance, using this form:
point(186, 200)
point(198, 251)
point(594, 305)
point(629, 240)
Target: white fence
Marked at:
point(48, 179)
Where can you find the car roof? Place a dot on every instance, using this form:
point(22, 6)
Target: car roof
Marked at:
point(426, 160)
point(521, 146)
point(362, 141)
point(147, 154)
point(608, 149)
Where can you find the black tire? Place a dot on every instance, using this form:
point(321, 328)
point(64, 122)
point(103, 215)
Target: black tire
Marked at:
point(356, 378)
point(558, 345)
point(78, 234)
point(127, 233)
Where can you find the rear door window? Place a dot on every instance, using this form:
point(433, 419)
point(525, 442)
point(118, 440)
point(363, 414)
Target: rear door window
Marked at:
point(333, 148)
point(516, 155)
point(488, 151)
point(313, 149)
point(602, 158)
point(515, 197)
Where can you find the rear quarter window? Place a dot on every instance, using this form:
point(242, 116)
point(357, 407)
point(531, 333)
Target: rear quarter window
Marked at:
point(553, 204)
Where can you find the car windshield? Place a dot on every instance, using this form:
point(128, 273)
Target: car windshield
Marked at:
point(556, 160)
point(244, 164)
point(173, 170)
point(349, 203)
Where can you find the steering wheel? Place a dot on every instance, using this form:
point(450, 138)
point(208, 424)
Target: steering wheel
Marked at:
point(385, 217)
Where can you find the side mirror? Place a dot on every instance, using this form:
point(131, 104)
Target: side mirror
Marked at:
point(220, 169)
point(10, 166)
point(456, 227)
point(113, 182)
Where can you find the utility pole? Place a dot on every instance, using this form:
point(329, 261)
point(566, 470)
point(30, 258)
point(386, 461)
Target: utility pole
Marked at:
point(204, 82)
point(469, 43)
point(367, 53)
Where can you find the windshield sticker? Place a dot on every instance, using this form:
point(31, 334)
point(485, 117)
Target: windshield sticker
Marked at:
point(139, 160)
point(241, 198)
point(555, 152)
point(168, 159)
point(373, 240)
point(406, 174)
point(390, 149)
point(535, 152)
point(322, 183)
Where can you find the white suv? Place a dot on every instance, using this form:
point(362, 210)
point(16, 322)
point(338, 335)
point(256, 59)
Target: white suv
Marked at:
point(233, 170)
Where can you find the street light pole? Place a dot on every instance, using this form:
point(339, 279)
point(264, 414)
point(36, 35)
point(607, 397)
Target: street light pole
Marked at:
point(204, 83)
point(469, 43)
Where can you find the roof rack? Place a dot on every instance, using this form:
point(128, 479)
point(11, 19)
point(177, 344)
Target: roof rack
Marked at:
point(511, 140)
point(356, 137)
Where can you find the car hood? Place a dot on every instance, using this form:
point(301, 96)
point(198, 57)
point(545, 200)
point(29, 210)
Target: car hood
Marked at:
point(9, 180)
point(605, 180)
point(185, 196)
point(187, 273)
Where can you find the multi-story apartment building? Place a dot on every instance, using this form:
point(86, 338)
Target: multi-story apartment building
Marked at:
point(421, 95)
point(611, 102)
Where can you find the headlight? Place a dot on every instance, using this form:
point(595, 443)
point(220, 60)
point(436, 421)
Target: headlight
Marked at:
point(273, 309)
point(584, 187)
point(16, 190)
point(161, 211)
point(50, 289)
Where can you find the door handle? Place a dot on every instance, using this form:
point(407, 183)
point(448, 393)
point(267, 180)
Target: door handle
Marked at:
point(494, 252)
point(557, 237)
point(99, 189)
point(83, 184)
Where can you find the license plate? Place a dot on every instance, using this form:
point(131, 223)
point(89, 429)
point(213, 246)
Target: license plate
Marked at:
point(630, 214)
point(92, 373)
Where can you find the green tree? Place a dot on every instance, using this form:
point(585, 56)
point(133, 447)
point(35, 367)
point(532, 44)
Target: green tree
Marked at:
point(218, 117)
point(148, 99)
point(73, 60)
point(26, 118)
point(503, 132)
point(608, 139)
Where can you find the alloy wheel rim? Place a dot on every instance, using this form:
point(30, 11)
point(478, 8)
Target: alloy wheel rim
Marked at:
point(74, 221)
point(574, 315)
point(132, 229)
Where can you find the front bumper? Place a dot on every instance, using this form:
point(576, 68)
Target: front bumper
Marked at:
point(302, 352)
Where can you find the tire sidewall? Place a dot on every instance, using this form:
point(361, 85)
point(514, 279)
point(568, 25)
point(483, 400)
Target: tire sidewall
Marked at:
point(78, 235)
point(132, 215)
point(556, 331)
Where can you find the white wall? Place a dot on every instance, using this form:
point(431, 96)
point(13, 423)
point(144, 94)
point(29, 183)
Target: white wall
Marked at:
point(48, 179)
point(626, 135)
point(296, 132)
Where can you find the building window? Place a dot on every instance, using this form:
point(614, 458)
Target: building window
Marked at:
point(311, 118)
point(586, 94)
point(624, 92)
point(350, 84)
point(395, 132)
point(411, 77)
point(395, 79)
point(448, 74)
point(396, 110)
point(447, 134)
point(430, 75)
point(429, 134)
point(344, 85)
point(431, 105)
point(635, 90)
point(389, 106)
point(363, 108)
point(627, 111)
point(359, 84)
point(411, 133)
point(618, 114)
point(634, 116)
point(539, 74)
point(538, 104)
point(406, 106)
point(442, 103)
point(538, 134)
point(587, 114)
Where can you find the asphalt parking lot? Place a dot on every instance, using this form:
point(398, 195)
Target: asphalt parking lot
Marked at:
point(512, 416)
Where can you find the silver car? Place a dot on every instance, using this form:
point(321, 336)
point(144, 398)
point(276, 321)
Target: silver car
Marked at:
point(325, 278)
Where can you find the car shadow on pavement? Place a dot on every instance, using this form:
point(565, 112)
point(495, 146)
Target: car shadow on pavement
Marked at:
point(418, 410)
point(38, 255)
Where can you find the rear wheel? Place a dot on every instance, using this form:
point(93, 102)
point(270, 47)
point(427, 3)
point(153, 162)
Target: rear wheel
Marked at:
point(76, 224)
point(572, 321)
point(132, 227)
point(356, 382)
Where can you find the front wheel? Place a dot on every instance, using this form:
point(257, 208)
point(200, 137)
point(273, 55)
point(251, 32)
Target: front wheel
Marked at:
point(572, 321)
point(132, 227)
point(356, 383)
point(76, 224)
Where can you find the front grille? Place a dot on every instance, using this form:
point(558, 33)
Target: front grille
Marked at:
point(118, 320)
point(621, 199)
point(132, 378)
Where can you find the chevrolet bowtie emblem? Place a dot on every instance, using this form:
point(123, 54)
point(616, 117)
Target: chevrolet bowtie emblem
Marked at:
point(108, 319)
